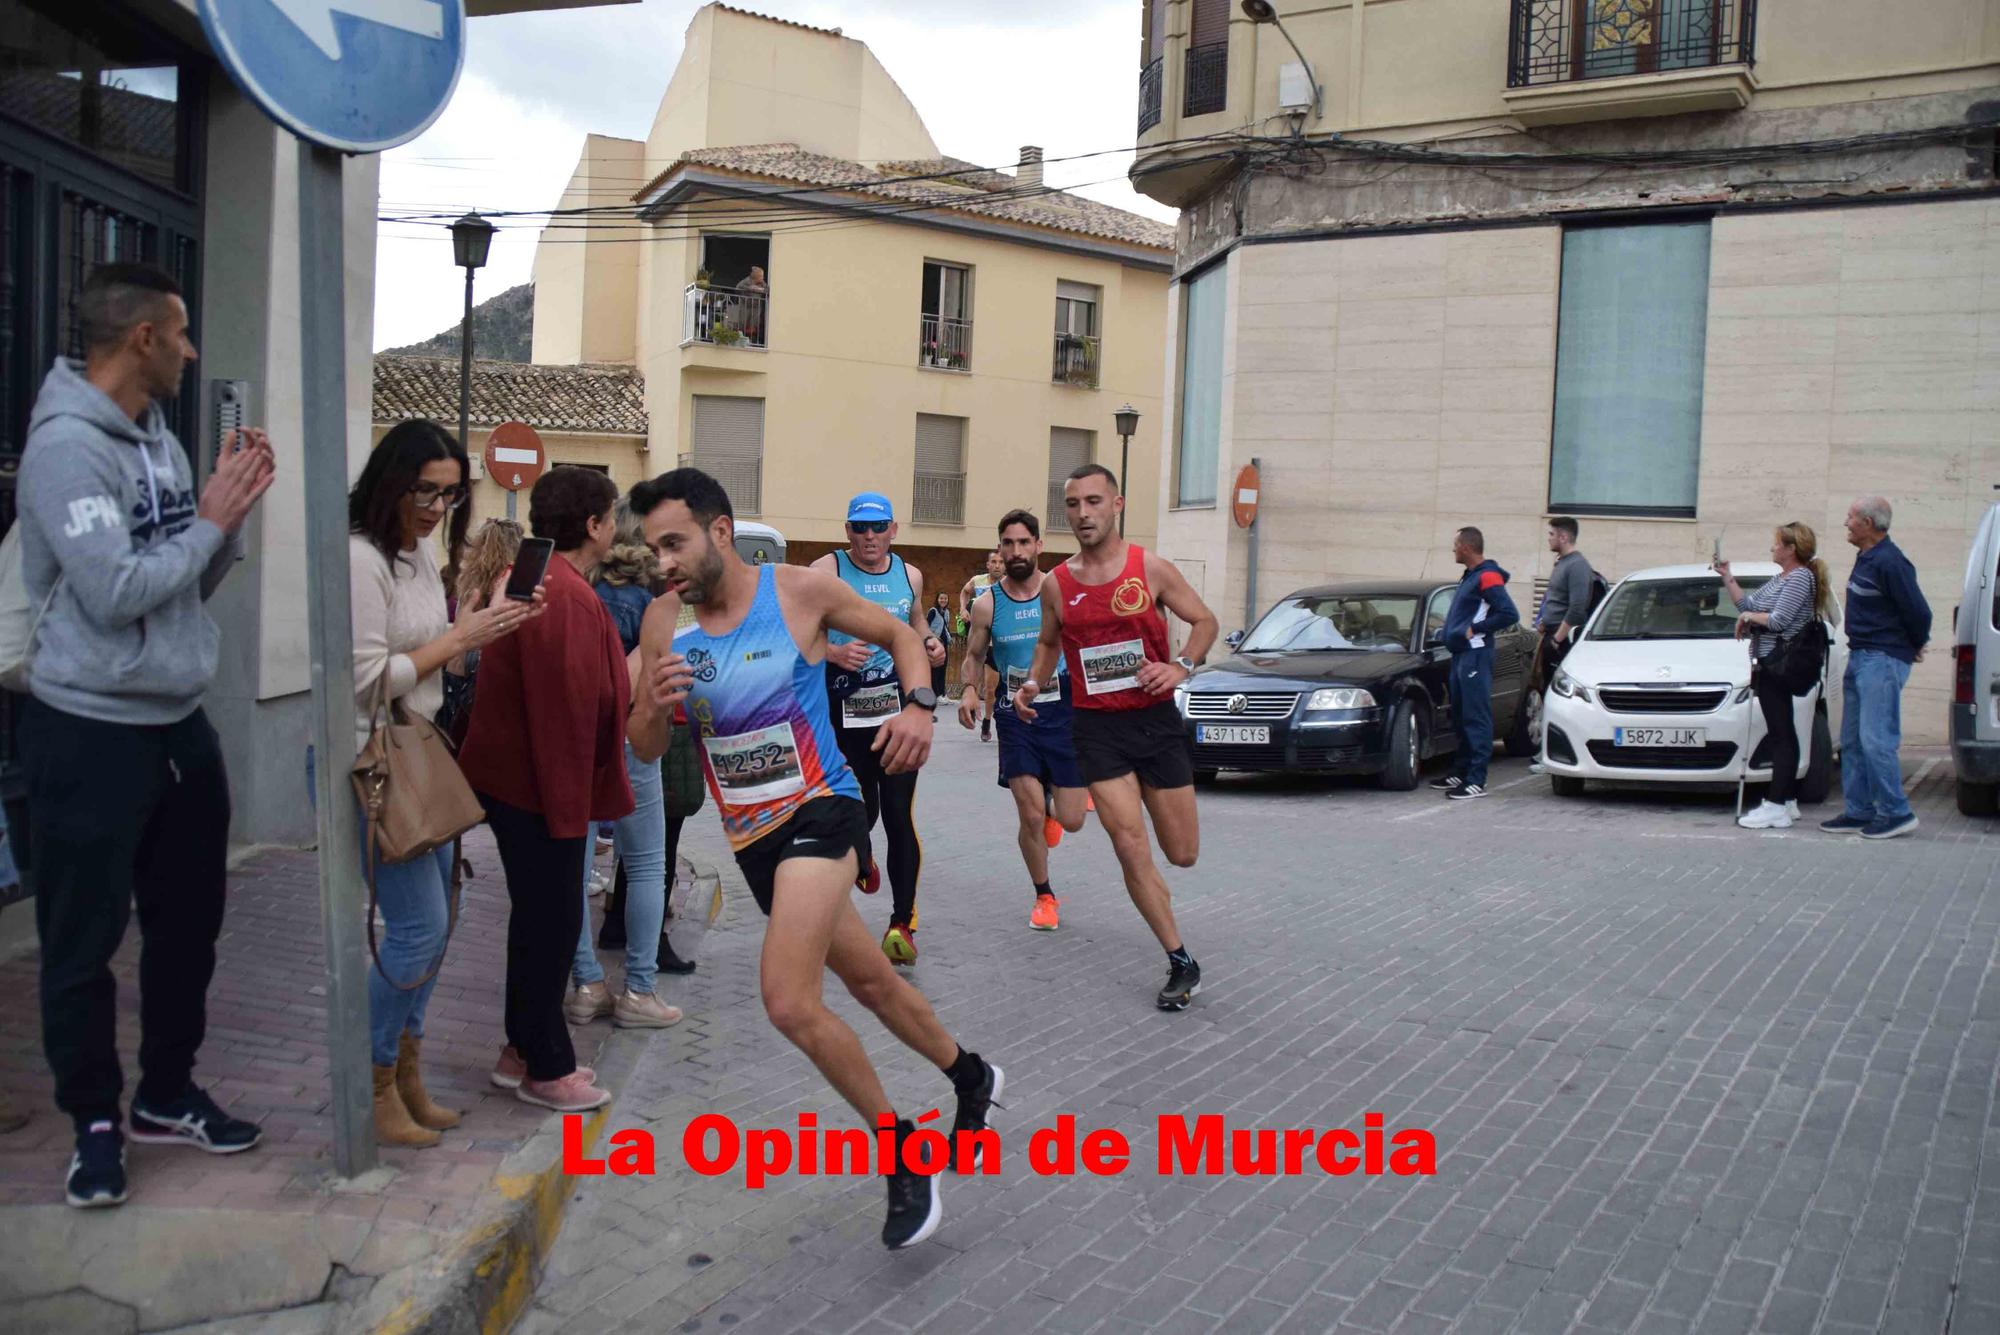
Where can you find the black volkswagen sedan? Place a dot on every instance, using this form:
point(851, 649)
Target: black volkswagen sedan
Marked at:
point(1348, 679)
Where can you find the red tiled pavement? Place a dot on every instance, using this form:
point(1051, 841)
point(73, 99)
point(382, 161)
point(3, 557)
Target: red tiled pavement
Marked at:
point(265, 1059)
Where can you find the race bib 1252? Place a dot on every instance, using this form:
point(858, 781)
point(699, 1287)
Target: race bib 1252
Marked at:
point(756, 766)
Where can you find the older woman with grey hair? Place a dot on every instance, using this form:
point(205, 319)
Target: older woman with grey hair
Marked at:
point(1888, 624)
point(624, 582)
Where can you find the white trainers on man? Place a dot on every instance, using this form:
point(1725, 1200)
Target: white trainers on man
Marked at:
point(1767, 816)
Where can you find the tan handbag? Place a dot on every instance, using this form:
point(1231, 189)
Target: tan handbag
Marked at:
point(414, 801)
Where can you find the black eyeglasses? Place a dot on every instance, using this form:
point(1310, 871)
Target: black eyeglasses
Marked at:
point(427, 496)
point(868, 526)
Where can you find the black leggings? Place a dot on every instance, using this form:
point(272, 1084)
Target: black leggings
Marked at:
point(1776, 702)
point(893, 797)
point(543, 874)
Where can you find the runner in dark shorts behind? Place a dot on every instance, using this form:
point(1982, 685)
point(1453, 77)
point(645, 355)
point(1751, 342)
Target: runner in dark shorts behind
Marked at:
point(749, 673)
point(1101, 615)
point(1036, 762)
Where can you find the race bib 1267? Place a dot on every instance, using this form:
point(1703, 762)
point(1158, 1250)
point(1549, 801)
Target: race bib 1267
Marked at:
point(872, 706)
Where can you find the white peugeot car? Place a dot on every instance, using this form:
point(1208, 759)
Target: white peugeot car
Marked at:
point(1657, 690)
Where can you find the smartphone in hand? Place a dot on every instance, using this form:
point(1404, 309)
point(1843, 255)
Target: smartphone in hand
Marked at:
point(530, 564)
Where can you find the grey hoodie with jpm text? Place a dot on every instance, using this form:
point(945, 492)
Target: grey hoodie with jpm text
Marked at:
point(108, 507)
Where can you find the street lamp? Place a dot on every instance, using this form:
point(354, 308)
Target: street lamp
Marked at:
point(1127, 419)
point(471, 238)
point(1261, 11)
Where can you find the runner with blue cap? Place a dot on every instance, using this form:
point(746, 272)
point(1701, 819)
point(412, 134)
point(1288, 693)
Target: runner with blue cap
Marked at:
point(862, 686)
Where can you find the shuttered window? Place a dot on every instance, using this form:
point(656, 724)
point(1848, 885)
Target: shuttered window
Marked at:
point(937, 493)
point(1210, 22)
point(1069, 450)
point(729, 446)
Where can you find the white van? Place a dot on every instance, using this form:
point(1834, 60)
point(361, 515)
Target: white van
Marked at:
point(1975, 695)
point(759, 544)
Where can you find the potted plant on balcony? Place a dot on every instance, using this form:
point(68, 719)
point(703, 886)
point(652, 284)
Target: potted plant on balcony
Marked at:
point(1080, 360)
point(701, 277)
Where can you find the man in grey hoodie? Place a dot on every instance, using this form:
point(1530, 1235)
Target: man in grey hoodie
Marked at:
point(127, 797)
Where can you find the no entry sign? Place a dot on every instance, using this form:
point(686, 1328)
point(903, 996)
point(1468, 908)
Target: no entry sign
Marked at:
point(514, 455)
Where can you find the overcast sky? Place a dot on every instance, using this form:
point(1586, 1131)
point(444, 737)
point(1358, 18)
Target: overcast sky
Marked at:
point(986, 75)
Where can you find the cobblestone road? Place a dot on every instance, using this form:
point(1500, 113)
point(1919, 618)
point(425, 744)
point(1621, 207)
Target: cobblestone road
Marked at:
point(1682, 1078)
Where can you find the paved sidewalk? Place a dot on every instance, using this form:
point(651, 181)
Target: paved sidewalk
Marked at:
point(1682, 1078)
point(273, 1230)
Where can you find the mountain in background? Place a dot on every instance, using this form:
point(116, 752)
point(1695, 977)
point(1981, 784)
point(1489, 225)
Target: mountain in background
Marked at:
point(503, 330)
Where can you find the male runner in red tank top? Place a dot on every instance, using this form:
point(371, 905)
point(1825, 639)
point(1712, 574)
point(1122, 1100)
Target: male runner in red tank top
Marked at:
point(1102, 611)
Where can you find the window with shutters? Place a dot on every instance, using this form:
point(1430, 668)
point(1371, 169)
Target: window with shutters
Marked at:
point(937, 494)
point(944, 339)
point(1077, 347)
point(1069, 449)
point(729, 447)
point(1206, 79)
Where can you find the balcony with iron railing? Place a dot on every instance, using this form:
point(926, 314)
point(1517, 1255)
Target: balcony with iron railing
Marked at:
point(1077, 360)
point(938, 498)
point(1150, 101)
point(945, 343)
point(723, 318)
point(1577, 60)
point(1205, 87)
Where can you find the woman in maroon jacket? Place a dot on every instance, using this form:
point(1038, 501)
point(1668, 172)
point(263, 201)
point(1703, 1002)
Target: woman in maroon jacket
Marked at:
point(546, 754)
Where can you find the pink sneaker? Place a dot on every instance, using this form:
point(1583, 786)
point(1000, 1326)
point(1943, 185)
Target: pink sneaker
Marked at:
point(574, 1093)
point(512, 1069)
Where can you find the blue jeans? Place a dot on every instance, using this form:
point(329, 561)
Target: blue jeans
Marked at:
point(1472, 708)
point(1871, 732)
point(415, 900)
point(641, 843)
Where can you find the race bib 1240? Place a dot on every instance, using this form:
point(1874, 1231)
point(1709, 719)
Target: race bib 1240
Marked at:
point(1111, 667)
point(756, 766)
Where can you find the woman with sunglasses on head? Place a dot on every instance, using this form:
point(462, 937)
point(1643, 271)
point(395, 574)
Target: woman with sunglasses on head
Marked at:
point(415, 482)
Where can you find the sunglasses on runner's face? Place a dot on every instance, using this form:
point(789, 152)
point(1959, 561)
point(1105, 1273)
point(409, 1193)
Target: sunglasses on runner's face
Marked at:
point(868, 526)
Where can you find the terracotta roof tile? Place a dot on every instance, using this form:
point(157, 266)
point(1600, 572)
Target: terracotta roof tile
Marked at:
point(956, 185)
point(603, 398)
point(772, 18)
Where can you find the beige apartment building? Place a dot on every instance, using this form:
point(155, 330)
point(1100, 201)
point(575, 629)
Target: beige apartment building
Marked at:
point(956, 338)
point(1683, 268)
point(122, 139)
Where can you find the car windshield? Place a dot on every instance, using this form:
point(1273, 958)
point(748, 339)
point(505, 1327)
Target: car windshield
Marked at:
point(1671, 609)
point(1335, 621)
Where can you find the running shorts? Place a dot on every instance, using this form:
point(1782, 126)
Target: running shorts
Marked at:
point(1038, 750)
point(826, 827)
point(1151, 743)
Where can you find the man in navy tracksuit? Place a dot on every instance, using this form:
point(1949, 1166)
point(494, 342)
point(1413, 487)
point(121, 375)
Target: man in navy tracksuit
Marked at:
point(1479, 609)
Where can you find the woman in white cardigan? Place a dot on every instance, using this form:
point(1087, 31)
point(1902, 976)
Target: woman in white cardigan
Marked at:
point(413, 480)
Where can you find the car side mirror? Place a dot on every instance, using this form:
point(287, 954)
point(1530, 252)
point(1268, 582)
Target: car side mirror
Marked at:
point(1234, 639)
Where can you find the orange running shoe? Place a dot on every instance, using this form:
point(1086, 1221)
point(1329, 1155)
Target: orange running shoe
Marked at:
point(868, 882)
point(1052, 831)
point(1043, 919)
point(1089, 802)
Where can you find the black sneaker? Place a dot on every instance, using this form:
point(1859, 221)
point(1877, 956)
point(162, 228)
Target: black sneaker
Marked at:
point(914, 1208)
point(986, 730)
point(97, 1169)
point(193, 1119)
point(669, 962)
point(1447, 783)
point(1183, 981)
point(973, 1106)
point(1465, 792)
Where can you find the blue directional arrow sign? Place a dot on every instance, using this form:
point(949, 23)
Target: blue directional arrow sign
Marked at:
point(357, 75)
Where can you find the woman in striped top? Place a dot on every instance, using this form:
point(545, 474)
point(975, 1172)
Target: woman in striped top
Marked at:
point(1779, 610)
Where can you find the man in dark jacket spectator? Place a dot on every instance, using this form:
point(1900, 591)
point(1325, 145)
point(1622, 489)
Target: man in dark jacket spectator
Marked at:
point(1480, 608)
point(1888, 624)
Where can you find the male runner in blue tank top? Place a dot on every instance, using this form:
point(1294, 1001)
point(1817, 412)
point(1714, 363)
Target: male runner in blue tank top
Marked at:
point(862, 689)
point(1036, 762)
point(749, 670)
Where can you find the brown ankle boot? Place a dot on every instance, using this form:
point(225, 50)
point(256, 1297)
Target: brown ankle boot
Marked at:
point(392, 1120)
point(410, 1084)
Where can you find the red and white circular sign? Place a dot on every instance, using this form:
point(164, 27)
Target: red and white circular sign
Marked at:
point(514, 456)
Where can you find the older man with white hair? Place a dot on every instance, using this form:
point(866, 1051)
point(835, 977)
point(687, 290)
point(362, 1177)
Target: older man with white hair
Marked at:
point(1888, 624)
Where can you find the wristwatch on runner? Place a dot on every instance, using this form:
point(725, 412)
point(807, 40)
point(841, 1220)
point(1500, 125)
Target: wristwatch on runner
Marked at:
point(923, 698)
point(1185, 664)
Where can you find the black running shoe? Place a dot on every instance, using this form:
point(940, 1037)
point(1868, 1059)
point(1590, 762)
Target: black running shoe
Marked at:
point(973, 1106)
point(1447, 783)
point(669, 962)
point(97, 1169)
point(193, 1119)
point(986, 730)
point(914, 1208)
point(1465, 792)
point(1183, 981)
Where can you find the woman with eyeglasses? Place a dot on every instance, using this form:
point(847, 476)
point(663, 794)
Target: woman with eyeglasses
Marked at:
point(414, 481)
